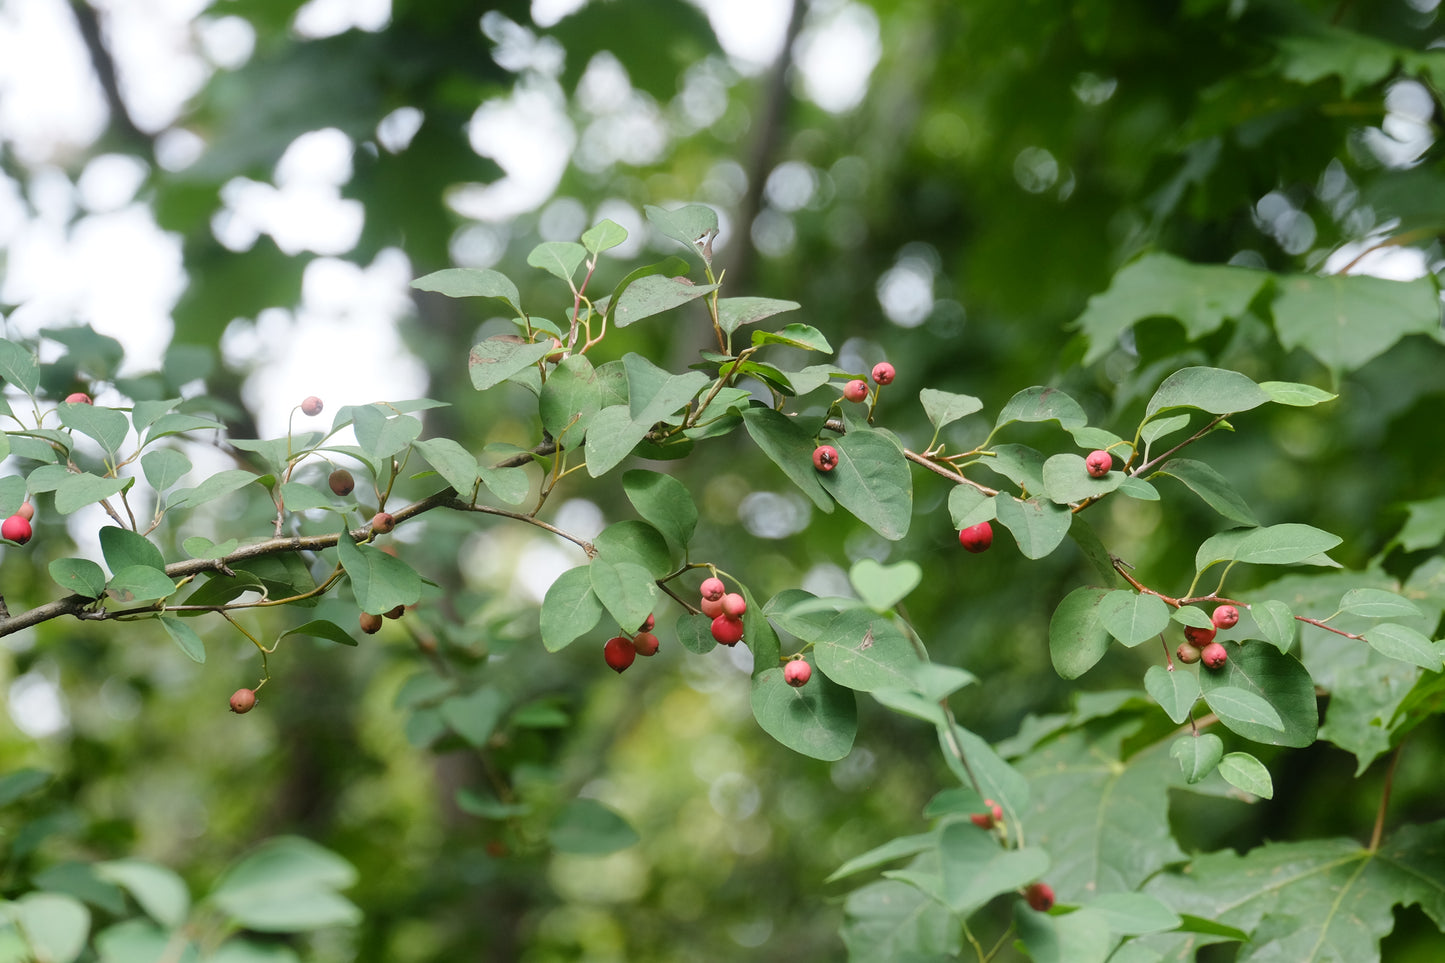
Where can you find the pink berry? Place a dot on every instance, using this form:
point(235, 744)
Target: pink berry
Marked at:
point(713, 588)
point(382, 522)
point(825, 458)
point(982, 820)
point(1213, 655)
point(312, 406)
point(619, 653)
point(1198, 636)
point(78, 398)
point(734, 605)
point(727, 631)
point(26, 511)
point(856, 390)
point(16, 529)
point(648, 625)
point(1099, 463)
point(797, 673)
point(712, 608)
point(645, 643)
point(242, 701)
point(883, 373)
point(976, 538)
point(1226, 617)
point(1040, 896)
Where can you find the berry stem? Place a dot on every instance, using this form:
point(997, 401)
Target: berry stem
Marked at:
point(1379, 830)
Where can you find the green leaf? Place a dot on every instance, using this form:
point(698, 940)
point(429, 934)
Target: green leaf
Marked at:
point(1296, 395)
point(1157, 428)
point(1288, 544)
point(1037, 526)
point(603, 236)
point(898, 848)
point(78, 575)
point(1279, 680)
point(471, 283)
point(1276, 623)
point(106, 425)
point(733, 313)
point(216, 486)
point(872, 481)
point(20, 783)
point(55, 926)
point(1347, 320)
point(1198, 754)
point(379, 581)
point(893, 921)
point(19, 367)
point(321, 629)
point(569, 609)
point(803, 336)
point(1078, 937)
point(1066, 479)
point(611, 437)
point(1134, 914)
point(158, 890)
point(77, 491)
point(883, 586)
point(587, 827)
point(1077, 636)
point(508, 484)
point(561, 259)
point(635, 541)
point(164, 467)
point(975, 868)
point(1043, 404)
point(381, 434)
point(1176, 691)
point(570, 397)
point(625, 589)
point(1215, 390)
point(664, 502)
point(652, 294)
point(968, 506)
point(864, 651)
point(287, 885)
point(1133, 617)
point(139, 583)
point(1212, 487)
point(1425, 525)
point(495, 360)
point(694, 633)
point(1404, 644)
point(1243, 771)
point(818, 720)
point(944, 408)
point(1241, 709)
point(790, 446)
point(1375, 603)
point(686, 225)
point(185, 637)
point(1200, 296)
point(474, 716)
point(453, 462)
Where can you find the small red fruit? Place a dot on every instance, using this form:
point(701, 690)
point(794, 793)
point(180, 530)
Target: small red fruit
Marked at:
point(712, 608)
point(995, 810)
point(734, 605)
point(312, 406)
point(370, 624)
point(825, 458)
point(16, 529)
point(976, 538)
point(645, 643)
point(1198, 636)
point(883, 373)
point(382, 522)
point(1040, 896)
point(713, 588)
point(78, 398)
point(1226, 617)
point(26, 511)
point(856, 390)
point(982, 820)
point(242, 701)
point(619, 653)
point(1213, 656)
point(396, 612)
point(648, 625)
point(341, 482)
point(797, 673)
point(1188, 653)
point(1099, 463)
point(727, 631)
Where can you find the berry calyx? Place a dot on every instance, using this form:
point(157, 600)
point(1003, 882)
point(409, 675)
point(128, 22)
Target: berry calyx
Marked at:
point(645, 643)
point(78, 398)
point(712, 608)
point(341, 482)
point(370, 624)
point(883, 373)
point(1198, 636)
point(243, 701)
point(976, 538)
point(1213, 656)
point(1099, 463)
point(383, 522)
point(1226, 617)
point(26, 511)
point(825, 458)
point(619, 653)
point(1188, 653)
point(797, 673)
point(713, 588)
point(726, 630)
point(856, 390)
point(734, 605)
point(1040, 896)
point(312, 406)
point(16, 529)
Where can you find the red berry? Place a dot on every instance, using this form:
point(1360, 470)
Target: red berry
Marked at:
point(1099, 463)
point(26, 511)
point(883, 373)
point(1198, 636)
point(727, 630)
point(645, 643)
point(16, 529)
point(982, 820)
point(734, 605)
point(856, 390)
point(1188, 653)
point(312, 406)
point(1226, 617)
point(382, 522)
point(976, 538)
point(242, 701)
point(370, 624)
point(712, 608)
point(995, 810)
point(396, 612)
point(797, 673)
point(341, 482)
point(618, 652)
point(647, 626)
point(1213, 655)
point(825, 458)
point(1040, 896)
point(78, 398)
point(713, 588)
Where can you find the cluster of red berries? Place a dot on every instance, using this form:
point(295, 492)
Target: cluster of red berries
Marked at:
point(1199, 644)
point(825, 457)
point(726, 609)
point(16, 528)
point(620, 651)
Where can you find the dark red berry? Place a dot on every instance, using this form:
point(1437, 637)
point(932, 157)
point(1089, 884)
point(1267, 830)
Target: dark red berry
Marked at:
point(341, 482)
point(16, 529)
point(1213, 656)
point(242, 701)
point(1198, 636)
point(370, 624)
point(976, 538)
point(727, 630)
point(396, 612)
point(619, 653)
point(645, 643)
point(982, 820)
point(1040, 896)
point(383, 522)
point(649, 624)
point(825, 458)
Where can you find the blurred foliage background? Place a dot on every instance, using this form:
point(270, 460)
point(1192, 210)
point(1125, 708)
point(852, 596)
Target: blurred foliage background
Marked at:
point(999, 163)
